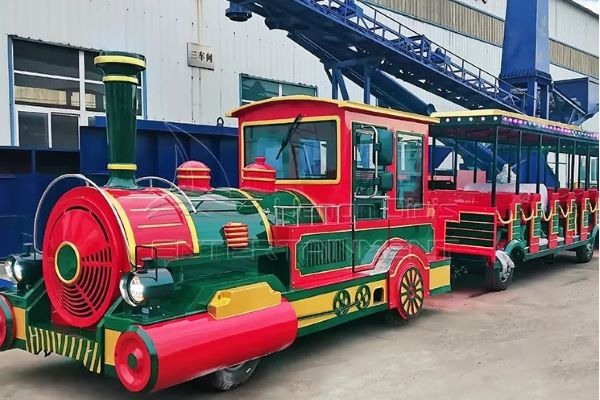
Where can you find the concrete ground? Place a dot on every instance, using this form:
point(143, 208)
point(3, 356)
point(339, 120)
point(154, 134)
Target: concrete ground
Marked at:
point(538, 340)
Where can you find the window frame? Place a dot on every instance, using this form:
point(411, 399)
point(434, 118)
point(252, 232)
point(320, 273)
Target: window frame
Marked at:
point(83, 115)
point(302, 181)
point(279, 83)
point(421, 137)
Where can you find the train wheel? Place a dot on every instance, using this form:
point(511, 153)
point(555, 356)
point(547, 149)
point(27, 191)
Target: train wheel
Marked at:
point(585, 253)
point(232, 377)
point(411, 297)
point(497, 279)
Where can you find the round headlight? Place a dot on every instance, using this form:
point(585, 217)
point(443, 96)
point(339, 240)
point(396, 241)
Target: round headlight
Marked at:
point(141, 287)
point(17, 271)
point(136, 290)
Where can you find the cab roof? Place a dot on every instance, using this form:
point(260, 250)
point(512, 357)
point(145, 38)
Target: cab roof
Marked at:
point(461, 123)
point(342, 104)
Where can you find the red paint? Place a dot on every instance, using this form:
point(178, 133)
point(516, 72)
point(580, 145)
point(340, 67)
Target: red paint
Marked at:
point(409, 256)
point(197, 345)
point(194, 176)
point(8, 328)
point(83, 217)
point(134, 377)
point(157, 221)
point(258, 177)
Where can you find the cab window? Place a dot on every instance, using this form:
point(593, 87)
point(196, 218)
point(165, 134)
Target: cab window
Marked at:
point(409, 171)
point(310, 152)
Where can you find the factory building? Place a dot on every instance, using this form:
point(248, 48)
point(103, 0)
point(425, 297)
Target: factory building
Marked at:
point(200, 65)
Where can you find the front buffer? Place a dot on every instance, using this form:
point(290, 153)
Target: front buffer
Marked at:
point(155, 357)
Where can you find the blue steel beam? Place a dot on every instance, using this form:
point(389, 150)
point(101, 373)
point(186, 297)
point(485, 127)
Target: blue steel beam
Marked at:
point(356, 27)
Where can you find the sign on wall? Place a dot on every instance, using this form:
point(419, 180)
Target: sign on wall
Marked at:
point(200, 56)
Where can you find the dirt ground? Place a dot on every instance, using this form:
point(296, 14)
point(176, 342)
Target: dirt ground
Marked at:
point(537, 340)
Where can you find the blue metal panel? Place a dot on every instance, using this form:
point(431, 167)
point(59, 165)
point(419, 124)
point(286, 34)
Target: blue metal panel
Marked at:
point(526, 46)
point(161, 147)
point(344, 31)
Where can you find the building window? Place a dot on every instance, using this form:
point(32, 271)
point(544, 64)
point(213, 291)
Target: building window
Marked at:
point(254, 89)
point(49, 82)
point(409, 171)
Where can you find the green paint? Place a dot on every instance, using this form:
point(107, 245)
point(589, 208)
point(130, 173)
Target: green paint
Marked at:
point(440, 290)
point(67, 262)
point(418, 235)
point(439, 263)
point(306, 293)
point(471, 230)
point(341, 319)
point(132, 361)
point(121, 117)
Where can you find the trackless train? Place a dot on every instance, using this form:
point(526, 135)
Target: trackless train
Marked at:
point(339, 214)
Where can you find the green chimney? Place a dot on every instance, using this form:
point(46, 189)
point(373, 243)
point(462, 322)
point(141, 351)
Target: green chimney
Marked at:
point(120, 90)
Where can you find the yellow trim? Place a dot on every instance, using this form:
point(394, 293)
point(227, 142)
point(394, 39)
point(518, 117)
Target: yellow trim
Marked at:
point(126, 224)
point(162, 244)
point(501, 113)
point(121, 167)
point(439, 277)
point(120, 60)
point(257, 179)
point(351, 105)
point(120, 78)
point(321, 306)
point(78, 268)
point(188, 219)
point(259, 170)
point(151, 209)
point(166, 225)
point(260, 211)
point(242, 300)
point(20, 330)
point(110, 343)
point(203, 177)
point(305, 119)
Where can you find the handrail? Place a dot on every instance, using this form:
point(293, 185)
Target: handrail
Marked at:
point(88, 183)
point(280, 213)
point(550, 216)
point(368, 21)
point(527, 219)
point(171, 184)
point(562, 211)
point(503, 221)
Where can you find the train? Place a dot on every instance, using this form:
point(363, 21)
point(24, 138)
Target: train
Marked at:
point(340, 213)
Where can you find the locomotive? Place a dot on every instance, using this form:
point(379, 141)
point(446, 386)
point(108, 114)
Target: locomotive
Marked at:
point(334, 219)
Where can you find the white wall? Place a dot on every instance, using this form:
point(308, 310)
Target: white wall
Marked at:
point(160, 29)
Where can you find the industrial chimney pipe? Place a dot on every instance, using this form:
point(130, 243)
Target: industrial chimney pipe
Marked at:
point(120, 89)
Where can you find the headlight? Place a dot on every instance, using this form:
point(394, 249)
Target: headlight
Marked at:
point(17, 269)
point(25, 270)
point(140, 287)
point(136, 290)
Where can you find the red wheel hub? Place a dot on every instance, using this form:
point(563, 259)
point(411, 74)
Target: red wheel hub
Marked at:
point(133, 362)
point(84, 257)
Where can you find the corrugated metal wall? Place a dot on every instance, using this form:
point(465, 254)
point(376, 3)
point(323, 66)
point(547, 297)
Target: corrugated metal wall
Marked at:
point(580, 55)
point(160, 29)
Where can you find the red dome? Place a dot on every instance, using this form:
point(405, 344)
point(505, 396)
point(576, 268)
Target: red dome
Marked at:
point(194, 176)
point(258, 176)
